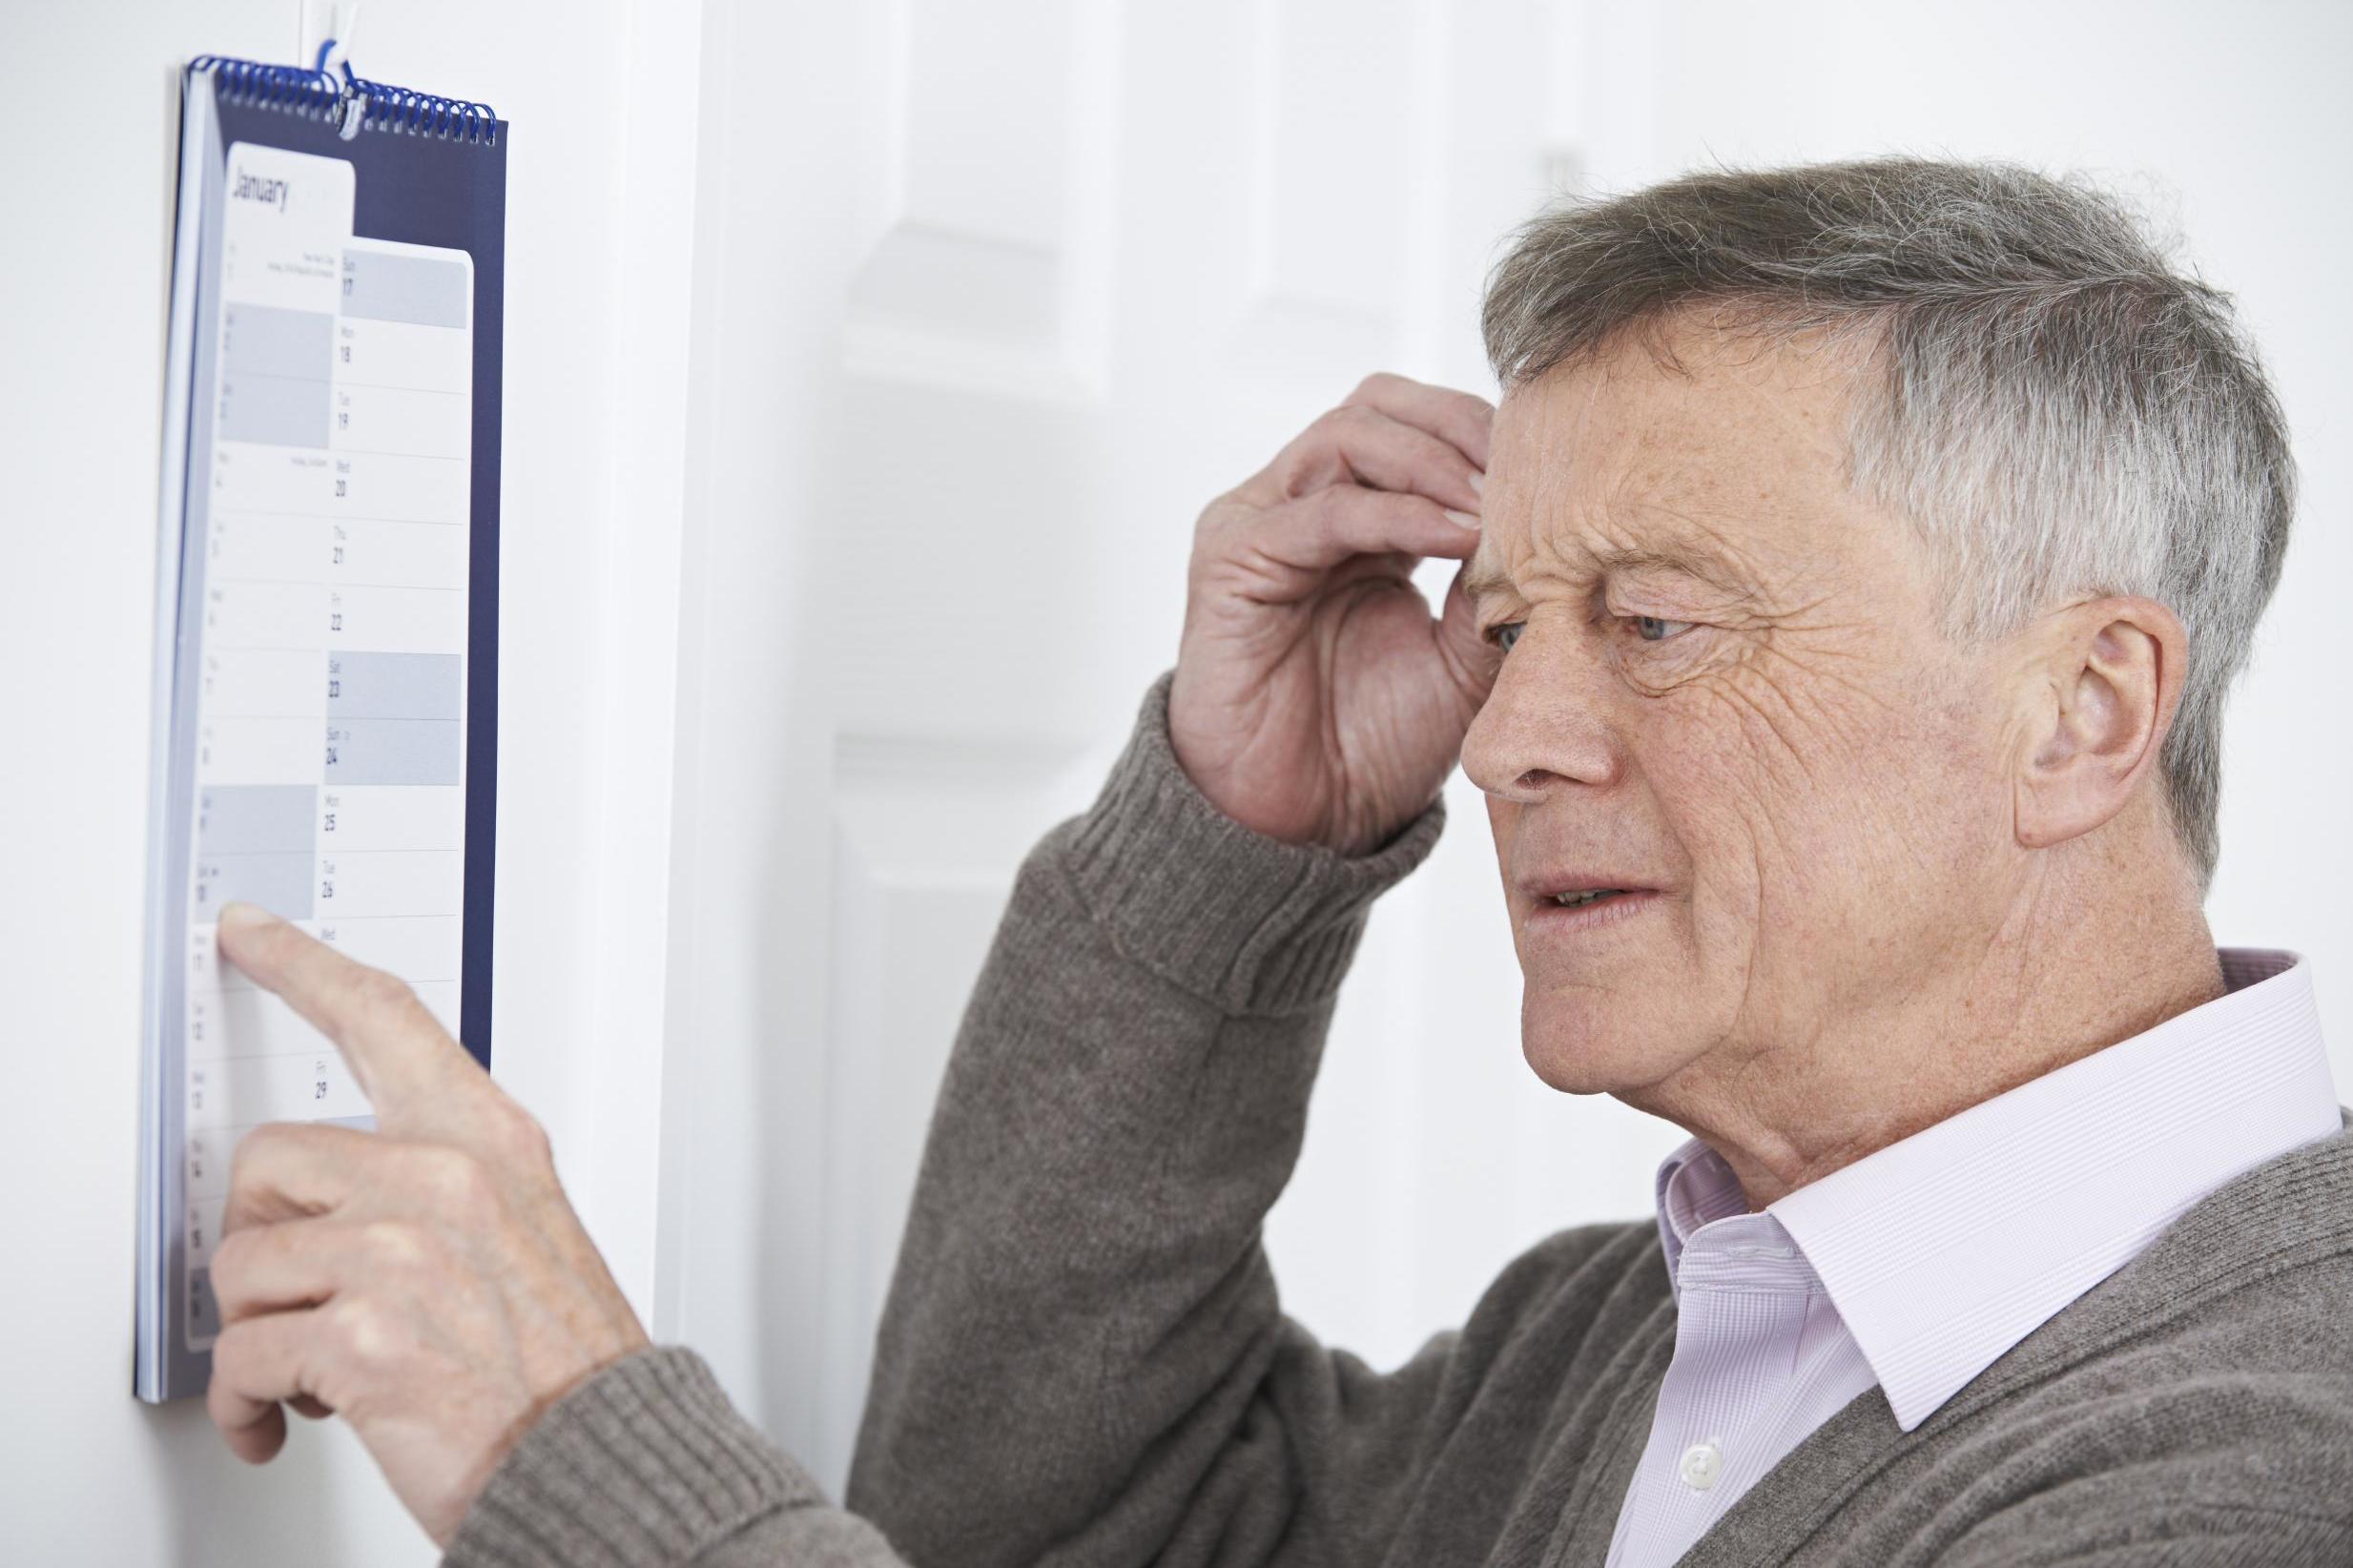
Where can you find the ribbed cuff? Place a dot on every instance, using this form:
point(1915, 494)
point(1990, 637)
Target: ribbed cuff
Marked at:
point(646, 1462)
point(1252, 924)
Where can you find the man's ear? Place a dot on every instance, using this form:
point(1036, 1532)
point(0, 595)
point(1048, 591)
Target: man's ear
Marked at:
point(2104, 679)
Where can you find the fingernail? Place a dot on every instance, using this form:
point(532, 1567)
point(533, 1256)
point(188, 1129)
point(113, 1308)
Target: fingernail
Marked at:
point(1478, 480)
point(1462, 519)
point(237, 912)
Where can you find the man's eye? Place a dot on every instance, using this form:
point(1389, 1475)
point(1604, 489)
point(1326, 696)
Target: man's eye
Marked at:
point(1508, 633)
point(1653, 628)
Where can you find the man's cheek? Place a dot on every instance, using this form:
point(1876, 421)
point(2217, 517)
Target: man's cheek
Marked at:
point(1812, 711)
point(1769, 861)
point(1722, 779)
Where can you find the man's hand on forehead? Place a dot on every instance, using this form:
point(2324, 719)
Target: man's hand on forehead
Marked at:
point(1316, 697)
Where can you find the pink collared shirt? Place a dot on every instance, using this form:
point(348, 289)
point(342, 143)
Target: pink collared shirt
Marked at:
point(1914, 1268)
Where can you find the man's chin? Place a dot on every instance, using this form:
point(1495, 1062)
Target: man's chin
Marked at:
point(1588, 1054)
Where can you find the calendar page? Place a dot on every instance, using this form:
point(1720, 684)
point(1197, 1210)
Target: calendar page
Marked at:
point(326, 567)
point(326, 702)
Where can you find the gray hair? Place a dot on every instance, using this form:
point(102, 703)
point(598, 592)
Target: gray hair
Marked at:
point(2061, 411)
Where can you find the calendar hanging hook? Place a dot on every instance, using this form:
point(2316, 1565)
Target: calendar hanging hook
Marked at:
point(335, 54)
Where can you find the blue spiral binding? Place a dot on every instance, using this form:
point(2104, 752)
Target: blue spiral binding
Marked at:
point(425, 113)
point(313, 93)
point(317, 94)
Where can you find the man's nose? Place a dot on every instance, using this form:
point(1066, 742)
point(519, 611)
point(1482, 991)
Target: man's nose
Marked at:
point(1542, 726)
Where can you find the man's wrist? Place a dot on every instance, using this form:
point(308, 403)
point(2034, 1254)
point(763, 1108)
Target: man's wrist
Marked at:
point(1251, 922)
point(645, 1461)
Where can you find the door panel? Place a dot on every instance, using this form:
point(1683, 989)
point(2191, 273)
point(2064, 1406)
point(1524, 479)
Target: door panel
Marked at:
point(1006, 294)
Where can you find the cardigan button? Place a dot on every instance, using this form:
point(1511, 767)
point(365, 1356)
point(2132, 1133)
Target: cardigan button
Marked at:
point(1703, 1464)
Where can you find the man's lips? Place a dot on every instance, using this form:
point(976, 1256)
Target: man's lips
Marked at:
point(1597, 895)
point(1550, 914)
point(1547, 886)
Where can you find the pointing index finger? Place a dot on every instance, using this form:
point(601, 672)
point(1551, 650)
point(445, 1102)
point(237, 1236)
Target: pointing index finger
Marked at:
point(402, 1056)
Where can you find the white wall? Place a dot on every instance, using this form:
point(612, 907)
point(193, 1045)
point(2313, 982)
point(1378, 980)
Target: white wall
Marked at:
point(739, 375)
point(87, 138)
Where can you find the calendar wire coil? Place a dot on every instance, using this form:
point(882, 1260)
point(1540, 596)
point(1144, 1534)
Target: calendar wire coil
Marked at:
point(352, 101)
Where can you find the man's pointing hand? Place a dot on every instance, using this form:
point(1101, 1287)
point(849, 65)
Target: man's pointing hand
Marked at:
point(428, 1281)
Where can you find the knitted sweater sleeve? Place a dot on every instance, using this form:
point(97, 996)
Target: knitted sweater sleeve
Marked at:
point(1082, 1360)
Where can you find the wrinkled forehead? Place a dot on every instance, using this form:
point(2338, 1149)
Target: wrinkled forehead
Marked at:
point(1731, 459)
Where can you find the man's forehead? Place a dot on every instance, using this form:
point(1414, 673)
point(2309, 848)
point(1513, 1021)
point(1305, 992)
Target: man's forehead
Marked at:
point(1685, 555)
point(1727, 477)
point(1714, 522)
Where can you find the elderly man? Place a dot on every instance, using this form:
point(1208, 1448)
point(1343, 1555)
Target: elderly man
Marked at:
point(1854, 572)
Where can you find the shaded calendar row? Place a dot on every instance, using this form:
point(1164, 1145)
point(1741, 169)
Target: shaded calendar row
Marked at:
point(327, 884)
point(277, 366)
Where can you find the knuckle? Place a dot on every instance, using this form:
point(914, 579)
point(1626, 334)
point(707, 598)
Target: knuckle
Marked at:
point(377, 991)
point(1221, 512)
point(459, 1181)
point(521, 1138)
point(394, 1244)
point(231, 1348)
point(1230, 516)
point(362, 1329)
point(232, 1257)
point(1329, 426)
point(256, 1149)
point(1374, 385)
point(1331, 506)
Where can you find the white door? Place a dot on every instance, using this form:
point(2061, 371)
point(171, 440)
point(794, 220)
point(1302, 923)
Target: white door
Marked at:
point(990, 301)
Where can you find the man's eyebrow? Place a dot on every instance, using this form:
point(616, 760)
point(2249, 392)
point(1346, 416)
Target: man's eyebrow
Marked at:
point(1701, 564)
point(1477, 585)
point(1705, 564)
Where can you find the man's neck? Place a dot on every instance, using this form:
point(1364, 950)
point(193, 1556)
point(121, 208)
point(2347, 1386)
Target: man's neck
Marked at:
point(2064, 978)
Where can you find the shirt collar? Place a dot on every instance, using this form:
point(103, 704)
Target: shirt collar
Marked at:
point(1944, 1250)
point(1695, 1188)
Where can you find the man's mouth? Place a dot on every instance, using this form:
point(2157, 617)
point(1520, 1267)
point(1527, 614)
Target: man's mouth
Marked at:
point(1588, 895)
